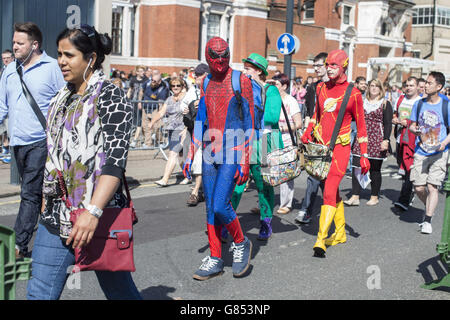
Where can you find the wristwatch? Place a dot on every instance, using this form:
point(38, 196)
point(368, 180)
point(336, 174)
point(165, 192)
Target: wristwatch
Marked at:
point(95, 211)
point(365, 155)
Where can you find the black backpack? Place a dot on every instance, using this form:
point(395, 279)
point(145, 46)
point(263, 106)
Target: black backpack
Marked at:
point(189, 118)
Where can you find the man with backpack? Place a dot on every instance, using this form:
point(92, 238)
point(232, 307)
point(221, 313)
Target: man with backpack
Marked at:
point(267, 102)
point(429, 122)
point(225, 114)
point(406, 141)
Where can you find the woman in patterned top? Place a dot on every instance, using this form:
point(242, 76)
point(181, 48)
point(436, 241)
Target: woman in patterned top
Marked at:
point(88, 132)
point(378, 115)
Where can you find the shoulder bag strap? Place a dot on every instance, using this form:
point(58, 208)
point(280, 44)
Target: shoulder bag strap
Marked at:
point(236, 85)
point(419, 106)
point(30, 98)
point(445, 113)
point(340, 117)
point(291, 133)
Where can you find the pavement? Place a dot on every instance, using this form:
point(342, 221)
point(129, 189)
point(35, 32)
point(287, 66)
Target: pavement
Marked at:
point(143, 166)
point(385, 257)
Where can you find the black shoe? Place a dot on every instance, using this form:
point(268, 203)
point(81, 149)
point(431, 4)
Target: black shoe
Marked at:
point(193, 200)
point(19, 255)
point(319, 252)
point(400, 206)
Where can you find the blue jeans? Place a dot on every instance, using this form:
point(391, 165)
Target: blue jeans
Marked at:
point(30, 163)
point(312, 187)
point(51, 260)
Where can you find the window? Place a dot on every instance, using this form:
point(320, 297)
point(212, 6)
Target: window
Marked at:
point(132, 30)
point(309, 9)
point(346, 15)
point(213, 29)
point(423, 16)
point(443, 16)
point(116, 30)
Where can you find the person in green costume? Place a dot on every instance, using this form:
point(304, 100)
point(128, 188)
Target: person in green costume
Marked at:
point(267, 113)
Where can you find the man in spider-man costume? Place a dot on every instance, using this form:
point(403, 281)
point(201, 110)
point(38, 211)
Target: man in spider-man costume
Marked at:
point(329, 98)
point(224, 129)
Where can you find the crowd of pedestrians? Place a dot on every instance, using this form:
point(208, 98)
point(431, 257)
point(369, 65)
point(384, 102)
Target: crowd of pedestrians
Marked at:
point(49, 110)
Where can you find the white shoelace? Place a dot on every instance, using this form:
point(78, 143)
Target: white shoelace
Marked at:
point(238, 252)
point(208, 263)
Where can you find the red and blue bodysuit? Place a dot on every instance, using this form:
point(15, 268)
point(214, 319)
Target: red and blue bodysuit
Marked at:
point(224, 128)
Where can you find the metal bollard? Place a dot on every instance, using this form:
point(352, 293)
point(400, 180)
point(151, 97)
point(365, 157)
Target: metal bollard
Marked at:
point(14, 177)
point(11, 270)
point(443, 248)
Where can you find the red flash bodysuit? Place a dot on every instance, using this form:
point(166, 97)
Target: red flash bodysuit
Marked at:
point(328, 103)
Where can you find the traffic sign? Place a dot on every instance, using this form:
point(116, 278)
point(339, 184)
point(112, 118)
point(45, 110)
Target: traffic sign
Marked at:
point(288, 43)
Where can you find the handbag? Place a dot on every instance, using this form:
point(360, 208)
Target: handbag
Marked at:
point(318, 156)
point(111, 248)
point(282, 165)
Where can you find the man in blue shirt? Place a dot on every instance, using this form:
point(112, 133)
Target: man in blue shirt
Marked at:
point(43, 78)
point(431, 152)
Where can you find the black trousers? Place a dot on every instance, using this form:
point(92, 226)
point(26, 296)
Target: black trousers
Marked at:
point(375, 177)
point(30, 163)
point(407, 190)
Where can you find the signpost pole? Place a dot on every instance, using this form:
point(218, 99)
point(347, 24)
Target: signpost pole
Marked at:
point(289, 29)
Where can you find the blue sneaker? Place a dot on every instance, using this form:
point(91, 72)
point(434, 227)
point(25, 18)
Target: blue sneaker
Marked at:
point(210, 267)
point(6, 160)
point(242, 253)
point(265, 232)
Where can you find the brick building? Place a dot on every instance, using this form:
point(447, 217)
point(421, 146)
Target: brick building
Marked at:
point(172, 34)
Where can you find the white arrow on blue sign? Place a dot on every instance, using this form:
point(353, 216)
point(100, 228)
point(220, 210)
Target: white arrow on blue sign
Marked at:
point(288, 43)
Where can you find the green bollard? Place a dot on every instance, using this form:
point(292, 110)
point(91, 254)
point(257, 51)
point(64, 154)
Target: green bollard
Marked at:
point(11, 270)
point(442, 248)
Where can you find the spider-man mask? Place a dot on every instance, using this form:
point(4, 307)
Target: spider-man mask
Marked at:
point(337, 63)
point(217, 55)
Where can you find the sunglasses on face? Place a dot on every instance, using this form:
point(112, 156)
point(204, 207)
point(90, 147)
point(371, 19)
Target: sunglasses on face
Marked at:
point(176, 86)
point(215, 55)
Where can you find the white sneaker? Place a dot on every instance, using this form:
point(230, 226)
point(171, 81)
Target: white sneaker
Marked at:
point(133, 144)
point(425, 227)
point(302, 217)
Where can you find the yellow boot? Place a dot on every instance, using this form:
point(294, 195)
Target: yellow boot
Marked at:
point(327, 214)
point(339, 235)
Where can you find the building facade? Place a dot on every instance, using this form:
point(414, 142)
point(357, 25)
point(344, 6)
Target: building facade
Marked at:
point(172, 34)
point(431, 32)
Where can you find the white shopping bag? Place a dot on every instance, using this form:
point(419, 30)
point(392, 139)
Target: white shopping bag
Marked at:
point(363, 180)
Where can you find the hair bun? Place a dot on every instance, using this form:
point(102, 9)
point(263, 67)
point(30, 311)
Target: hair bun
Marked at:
point(106, 43)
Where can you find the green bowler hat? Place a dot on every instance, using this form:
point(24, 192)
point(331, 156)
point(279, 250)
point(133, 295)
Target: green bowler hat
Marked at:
point(258, 61)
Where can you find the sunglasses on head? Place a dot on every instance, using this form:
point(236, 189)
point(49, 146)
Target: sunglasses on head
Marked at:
point(89, 32)
point(215, 55)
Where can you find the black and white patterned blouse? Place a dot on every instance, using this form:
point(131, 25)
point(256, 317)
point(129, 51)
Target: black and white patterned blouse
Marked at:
point(88, 136)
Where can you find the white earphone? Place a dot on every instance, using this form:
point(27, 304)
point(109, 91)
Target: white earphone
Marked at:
point(88, 66)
